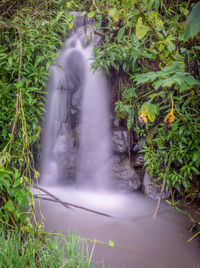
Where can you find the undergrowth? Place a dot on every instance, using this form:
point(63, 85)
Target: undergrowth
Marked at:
point(17, 250)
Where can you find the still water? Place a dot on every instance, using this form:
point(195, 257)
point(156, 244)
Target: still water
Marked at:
point(140, 241)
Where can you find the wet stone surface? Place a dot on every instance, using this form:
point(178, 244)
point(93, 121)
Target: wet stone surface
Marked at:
point(120, 141)
point(150, 189)
point(126, 178)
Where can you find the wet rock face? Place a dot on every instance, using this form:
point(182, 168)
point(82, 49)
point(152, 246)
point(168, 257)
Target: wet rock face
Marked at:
point(150, 189)
point(74, 69)
point(139, 160)
point(120, 141)
point(126, 178)
point(66, 162)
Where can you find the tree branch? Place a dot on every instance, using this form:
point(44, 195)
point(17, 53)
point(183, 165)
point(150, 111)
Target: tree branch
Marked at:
point(66, 204)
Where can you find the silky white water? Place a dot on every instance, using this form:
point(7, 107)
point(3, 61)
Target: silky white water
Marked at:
point(88, 164)
point(95, 150)
point(140, 241)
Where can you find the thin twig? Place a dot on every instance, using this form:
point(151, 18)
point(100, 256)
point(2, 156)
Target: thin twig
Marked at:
point(50, 194)
point(67, 204)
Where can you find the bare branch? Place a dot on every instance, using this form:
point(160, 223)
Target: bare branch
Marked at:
point(66, 204)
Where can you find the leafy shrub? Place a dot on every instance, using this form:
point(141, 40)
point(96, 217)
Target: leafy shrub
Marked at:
point(145, 41)
point(30, 35)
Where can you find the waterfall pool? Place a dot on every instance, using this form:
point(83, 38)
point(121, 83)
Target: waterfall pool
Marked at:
point(140, 241)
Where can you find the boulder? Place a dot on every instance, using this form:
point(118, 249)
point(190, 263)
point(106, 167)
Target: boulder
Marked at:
point(120, 141)
point(124, 175)
point(151, 189)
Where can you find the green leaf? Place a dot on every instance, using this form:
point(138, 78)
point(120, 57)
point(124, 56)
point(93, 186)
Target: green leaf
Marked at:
point(111, 243)
point(9, 206)
point(120, 34)
point(128, 3)
point(148, 110)
point(190, 80)
point(195, 170)
point(5, 183)
point(91, 14)
point(145, 77)
point(141, 29)
point(193, 23)
point(157, 3)
point(114, 14)
point(196, 156)
point(68, 18)
point(153, 111)
point(60, 13)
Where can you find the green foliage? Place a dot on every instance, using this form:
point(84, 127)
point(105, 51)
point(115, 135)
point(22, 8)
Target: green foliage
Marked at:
point(169, 76)
point(30, 35)
point(14, 194)
point(193, 23)
point(143, 47)
point(18, 250)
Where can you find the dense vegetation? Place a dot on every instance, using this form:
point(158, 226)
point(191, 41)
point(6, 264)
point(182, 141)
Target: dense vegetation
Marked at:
point(151, 51)
point(30, 34)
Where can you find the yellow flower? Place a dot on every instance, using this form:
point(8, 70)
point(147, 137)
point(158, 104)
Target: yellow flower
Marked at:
point(169, 119)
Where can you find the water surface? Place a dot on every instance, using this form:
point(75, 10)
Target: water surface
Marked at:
point(141, 241)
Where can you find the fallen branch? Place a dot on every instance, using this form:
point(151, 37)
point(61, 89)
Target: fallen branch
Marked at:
point(51, 195)
point(66, 204)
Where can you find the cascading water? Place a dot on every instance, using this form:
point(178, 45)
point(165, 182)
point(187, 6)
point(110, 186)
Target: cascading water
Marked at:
point(76, 140)
point(76, 144)
point(95, 136)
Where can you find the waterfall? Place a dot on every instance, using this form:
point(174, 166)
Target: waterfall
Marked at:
point(95, 133)
point(76, 137)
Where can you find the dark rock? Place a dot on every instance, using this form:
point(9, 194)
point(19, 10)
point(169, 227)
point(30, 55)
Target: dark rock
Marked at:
point(76, 99)
point(116, 122)
point(139, 160)
point(120, 141)
point(65, 155)
point(74, 69)
point(124, 175)
point(151, 189)
point(139, 146)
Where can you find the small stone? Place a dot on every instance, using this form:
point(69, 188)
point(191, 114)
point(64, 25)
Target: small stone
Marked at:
point(116, 122)
point(139, 160)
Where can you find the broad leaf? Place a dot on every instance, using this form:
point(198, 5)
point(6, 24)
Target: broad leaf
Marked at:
point(193, 23)
point(114, 14)
point(120, 34)
point(148, 110)
point(9, 206)
point(91, 14)
point(141, 29)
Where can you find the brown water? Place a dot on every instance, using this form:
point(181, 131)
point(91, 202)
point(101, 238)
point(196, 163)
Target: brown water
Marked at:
point(141, 241)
